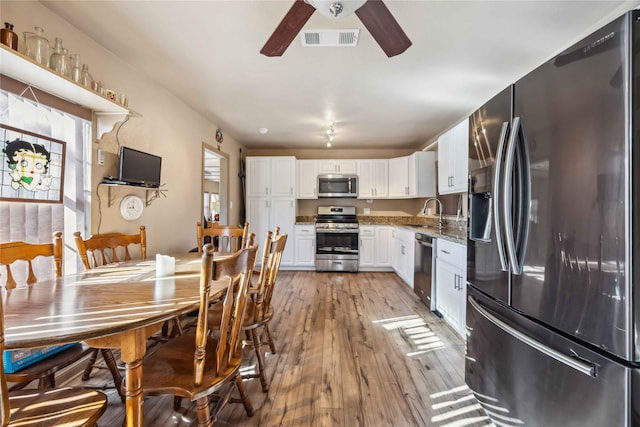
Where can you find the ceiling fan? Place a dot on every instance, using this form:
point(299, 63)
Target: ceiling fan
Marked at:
point(373, 14)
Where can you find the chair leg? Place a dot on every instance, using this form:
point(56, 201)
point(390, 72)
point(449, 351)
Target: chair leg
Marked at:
point(107, 355)
point(261, 365)
point(272, 346)
point(204, 415)
point(89, 366)
point(177, 402)
point(244, 397)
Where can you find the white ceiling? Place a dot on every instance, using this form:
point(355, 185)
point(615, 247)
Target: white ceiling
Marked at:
point(463, 52)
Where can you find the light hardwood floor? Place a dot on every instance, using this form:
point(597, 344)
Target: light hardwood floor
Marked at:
point(352, 350)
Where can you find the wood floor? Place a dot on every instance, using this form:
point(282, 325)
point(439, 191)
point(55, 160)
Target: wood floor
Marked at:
point(352, 350)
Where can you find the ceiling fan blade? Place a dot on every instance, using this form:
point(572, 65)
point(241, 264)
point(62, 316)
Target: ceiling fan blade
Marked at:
point(288, 28)
point(384, 28)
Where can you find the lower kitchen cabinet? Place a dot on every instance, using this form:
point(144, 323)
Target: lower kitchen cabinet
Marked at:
point(402, 253)
point(451, 278)
point(305, 253)
point(375, 247)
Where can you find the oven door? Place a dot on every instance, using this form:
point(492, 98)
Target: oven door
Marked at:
point(337, 250)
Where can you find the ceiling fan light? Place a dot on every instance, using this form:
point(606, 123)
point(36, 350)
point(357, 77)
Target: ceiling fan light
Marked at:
point(336, 9)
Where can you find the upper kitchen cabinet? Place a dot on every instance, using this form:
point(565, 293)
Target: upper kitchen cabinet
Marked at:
point(453, 154)
point(413, 176)
point(271, 176)
point(338, 166)
point(373, 178)
point(307, 179)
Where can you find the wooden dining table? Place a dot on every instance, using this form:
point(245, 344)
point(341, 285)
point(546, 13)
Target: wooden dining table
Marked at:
point(115, 306)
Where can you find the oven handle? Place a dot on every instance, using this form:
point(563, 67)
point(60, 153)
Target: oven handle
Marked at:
point(338, 231)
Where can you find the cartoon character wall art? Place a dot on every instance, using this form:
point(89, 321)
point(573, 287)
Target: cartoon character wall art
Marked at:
point(32, 166)
point(29, 164)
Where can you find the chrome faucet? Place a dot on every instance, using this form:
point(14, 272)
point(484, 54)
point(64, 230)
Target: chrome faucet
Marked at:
point(424, 210)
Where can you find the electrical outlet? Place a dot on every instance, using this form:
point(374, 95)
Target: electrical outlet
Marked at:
point(100, 156)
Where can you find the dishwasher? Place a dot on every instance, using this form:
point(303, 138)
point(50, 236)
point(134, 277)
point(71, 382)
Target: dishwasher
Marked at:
point(423, 269)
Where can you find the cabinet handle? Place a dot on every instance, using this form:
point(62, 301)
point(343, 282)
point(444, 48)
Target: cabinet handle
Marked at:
point(402, 249)
point(291, 191)
point(406, 190)
point(266, 190)
point(445, 252)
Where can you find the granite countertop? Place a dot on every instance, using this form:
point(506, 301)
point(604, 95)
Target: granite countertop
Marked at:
point(425, 225)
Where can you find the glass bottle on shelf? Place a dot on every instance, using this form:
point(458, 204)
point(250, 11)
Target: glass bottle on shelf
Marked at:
point(25, 47)
point(38, 47)
point(86, 78)
point(76, 71)
point(8, 37)
point(57, 60)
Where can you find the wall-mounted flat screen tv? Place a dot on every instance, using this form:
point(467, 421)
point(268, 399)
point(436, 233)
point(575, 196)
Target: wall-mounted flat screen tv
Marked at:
point(139, 168)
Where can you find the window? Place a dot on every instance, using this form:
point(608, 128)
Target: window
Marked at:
point(36, 222)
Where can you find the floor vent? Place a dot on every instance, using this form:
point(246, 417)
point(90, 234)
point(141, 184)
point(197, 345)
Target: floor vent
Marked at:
point(333, 38)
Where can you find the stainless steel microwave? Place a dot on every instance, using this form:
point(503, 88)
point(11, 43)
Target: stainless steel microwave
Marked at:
point(332, 185)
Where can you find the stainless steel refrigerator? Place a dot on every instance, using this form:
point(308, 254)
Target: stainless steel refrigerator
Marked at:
point(553, 255)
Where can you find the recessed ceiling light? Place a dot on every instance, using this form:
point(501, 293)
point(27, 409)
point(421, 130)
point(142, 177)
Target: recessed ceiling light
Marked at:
point(328, 144)
point(263, 131)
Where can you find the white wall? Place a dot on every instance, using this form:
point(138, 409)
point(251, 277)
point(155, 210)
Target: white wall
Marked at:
point(167, 128)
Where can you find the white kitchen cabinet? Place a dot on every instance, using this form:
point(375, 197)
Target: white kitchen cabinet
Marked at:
point(305, 247)
point(450, 285)
point(402, 256)
point(342, 166)
point(412, 176)
point(271, 176)
point(307, 179)
point(265, 214)
point(453, 155)
point(375, 247)
point(373, 178)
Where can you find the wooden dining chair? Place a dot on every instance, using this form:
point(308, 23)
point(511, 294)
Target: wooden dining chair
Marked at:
point(176, 369)
point(54, 407)
point(11, 254)
point(224, 238)
point(259, 309)
point(103, 249)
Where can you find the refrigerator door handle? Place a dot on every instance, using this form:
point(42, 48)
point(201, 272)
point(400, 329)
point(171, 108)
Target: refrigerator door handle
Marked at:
point(522, 202)
point(577, 364)
point(497, 223)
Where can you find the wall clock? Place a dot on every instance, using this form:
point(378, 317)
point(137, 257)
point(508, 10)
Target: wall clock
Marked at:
point(131, 207)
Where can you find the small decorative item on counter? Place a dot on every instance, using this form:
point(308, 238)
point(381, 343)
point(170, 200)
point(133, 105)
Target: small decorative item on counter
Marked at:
point(111, 95)
point(86, 79)
point(123, 100)
point(101, 90)
point(8, 37)
point(76, 71)
point(38, 47)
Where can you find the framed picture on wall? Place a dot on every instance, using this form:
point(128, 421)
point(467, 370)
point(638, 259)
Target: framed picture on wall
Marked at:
point(31, 166)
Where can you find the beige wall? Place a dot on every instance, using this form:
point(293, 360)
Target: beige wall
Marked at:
point(167, 128)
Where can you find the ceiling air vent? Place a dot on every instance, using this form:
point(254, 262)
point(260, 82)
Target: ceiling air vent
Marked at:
point(333, 38)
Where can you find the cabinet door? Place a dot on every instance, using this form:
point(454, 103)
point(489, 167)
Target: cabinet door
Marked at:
point(444, 173)
point(305, 248)
point(365, 179)
point(382, 246)
point(328, 166)
point(380, 173)
point(258, 218)
point(258, 176)
point(346, 166)
point(458, 160)
point(399, 178)
point(445, 290)
point(307, 179)
point(282, 214)
point(283, 176)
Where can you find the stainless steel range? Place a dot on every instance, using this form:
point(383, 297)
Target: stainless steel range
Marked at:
point(337, 239)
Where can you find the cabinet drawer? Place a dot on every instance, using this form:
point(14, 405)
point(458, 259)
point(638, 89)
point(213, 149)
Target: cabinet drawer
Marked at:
point(366, 230)
point(451, 252)
point(305, 230)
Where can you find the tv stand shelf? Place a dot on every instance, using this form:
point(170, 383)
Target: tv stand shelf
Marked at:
point(150, 193)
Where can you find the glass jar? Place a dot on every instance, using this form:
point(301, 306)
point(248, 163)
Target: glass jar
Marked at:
point(38, 47)
point(76, 71)
point(25, 48)
point(86, 78)
point(8, 37)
